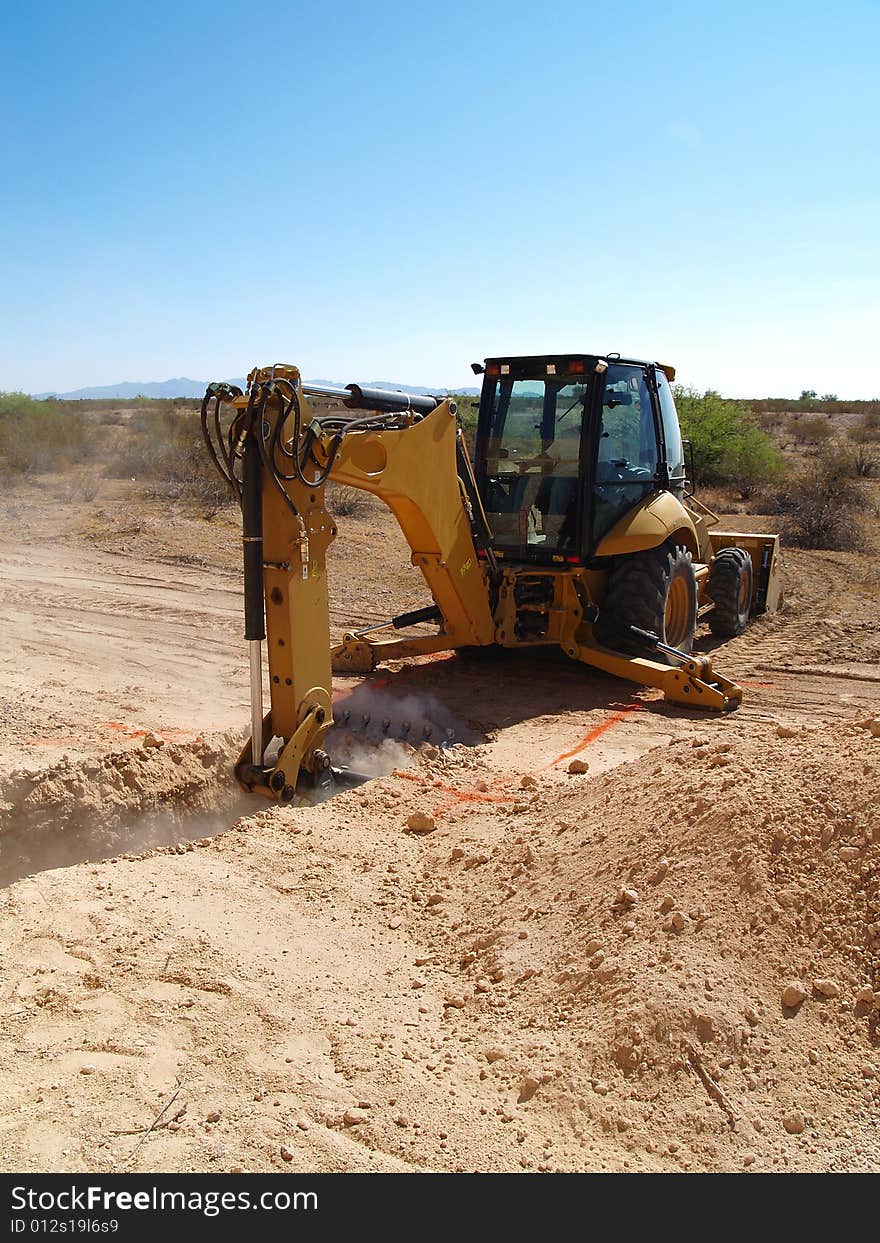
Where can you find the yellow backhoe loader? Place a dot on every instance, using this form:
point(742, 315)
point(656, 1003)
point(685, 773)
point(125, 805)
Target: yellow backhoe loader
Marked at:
point(573, 524)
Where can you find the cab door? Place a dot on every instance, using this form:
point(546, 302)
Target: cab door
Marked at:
point(627, 464)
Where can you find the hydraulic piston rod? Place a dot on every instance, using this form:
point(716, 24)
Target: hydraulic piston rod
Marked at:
point(255, 624)
point(357, 397)
point(255, 650)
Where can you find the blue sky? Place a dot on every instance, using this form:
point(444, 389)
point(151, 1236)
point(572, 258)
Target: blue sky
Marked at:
point(391, 190)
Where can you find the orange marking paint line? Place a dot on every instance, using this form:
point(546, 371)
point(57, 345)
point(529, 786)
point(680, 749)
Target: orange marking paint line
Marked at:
point(457, 796)
point(475, 796)
point(593, 734)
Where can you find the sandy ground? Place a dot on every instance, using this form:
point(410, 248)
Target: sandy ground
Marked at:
point(568, 971)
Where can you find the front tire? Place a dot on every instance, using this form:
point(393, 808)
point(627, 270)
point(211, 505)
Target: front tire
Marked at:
point(730, 587)
point(655, 591)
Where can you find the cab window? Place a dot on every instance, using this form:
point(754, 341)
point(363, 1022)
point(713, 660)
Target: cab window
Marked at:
point(626, 464)
point(674, 450)
point(533, 461)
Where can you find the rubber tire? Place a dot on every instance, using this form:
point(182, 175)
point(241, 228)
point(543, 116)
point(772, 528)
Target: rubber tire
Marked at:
point(636, 594)
point(729, 570)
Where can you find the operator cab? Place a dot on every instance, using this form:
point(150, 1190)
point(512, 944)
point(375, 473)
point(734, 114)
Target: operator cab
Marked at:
point(568, 444)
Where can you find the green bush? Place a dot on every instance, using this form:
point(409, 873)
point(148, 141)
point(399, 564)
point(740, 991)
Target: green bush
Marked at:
point(39, 436)
point(728, 444)
point(468, 409)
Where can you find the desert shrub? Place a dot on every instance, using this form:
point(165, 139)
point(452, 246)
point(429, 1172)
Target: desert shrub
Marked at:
point(813, 405)
point(728, 444)
point(756, 464)
point(162, 446)
point(468, 411)
point(867, 430)
point(812, 429)
point(344, 502)
point(823, 505)
point(770, 420)
point(37, 436)
point(83, 485)
point(863, 460)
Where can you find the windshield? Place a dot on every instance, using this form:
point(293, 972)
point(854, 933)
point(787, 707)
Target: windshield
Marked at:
point(532, 460)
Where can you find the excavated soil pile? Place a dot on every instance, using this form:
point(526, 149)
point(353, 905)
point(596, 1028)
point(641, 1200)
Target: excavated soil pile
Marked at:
point(687, 948)
point(124, 800)
point(671, 965)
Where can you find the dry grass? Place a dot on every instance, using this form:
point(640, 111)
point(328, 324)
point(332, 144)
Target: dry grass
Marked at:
point(163, 448)
point(345, 502)
point(811, 429)
point(82, 485)
point(864, 460)
point(824, 505)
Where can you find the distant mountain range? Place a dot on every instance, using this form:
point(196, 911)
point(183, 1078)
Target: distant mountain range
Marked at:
point(182, 387)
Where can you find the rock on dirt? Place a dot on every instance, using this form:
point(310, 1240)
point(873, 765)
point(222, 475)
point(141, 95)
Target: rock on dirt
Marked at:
point(578, 766)
point(528, 1086)
point(420, 822)
point(828, 988)
point(626, 897)
point(794, 994)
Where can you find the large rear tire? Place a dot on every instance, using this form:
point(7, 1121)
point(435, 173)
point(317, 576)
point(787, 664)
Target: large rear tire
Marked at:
point(655, 591)
point(730, 587)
